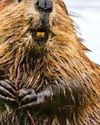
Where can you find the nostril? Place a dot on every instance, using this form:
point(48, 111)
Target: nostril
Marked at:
point(44, 5)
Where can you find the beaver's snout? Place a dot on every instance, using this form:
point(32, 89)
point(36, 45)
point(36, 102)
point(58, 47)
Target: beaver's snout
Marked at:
point(44, 5)
point(41, 33)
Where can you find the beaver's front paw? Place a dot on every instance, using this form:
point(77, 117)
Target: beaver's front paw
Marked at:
point(28, 98)
point(7, 91)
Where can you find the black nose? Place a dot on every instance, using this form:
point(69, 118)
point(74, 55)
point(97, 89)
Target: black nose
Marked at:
point(44, 5)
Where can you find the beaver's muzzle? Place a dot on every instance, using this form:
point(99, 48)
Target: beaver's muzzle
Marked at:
point(41, 31)
point(44, 5)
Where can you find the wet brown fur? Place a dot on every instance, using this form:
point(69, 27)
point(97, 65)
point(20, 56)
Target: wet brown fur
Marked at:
point(61, 62)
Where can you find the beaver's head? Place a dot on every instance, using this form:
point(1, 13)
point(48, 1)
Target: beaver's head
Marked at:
point(46, 18)
point(35, 24)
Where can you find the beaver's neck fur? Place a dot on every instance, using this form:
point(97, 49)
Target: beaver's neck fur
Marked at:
point(62, 63)
point(59, 65)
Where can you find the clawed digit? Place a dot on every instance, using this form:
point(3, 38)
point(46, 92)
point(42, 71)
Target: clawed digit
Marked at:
point(7, 90)
point(6, 98)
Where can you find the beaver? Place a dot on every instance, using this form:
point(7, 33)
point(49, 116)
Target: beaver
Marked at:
point(45, 76)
